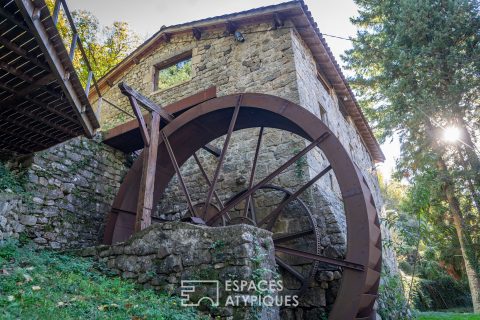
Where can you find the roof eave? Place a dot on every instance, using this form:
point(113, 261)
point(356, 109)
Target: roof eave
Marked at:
point(293, 10)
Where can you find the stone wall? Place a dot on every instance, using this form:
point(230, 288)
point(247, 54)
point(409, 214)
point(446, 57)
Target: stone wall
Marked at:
point(263, 63)
point(68, 191)
point(164, 255)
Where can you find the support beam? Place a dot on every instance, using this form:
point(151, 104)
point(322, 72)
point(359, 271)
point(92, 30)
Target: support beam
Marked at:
point(153, 107)
point(37, 102)
point(33, 129)
point(143, 218)
point(23, 53)
point(278, 21)
point(14, 71)
point(35, 117)
point(14, 20)
point(147, 103)
point(29, 10)
point(231, 27)
point(316, 257)
point(197, 34)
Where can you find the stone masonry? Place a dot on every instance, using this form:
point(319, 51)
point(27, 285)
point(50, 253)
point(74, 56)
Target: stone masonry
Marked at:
point(164, 255)
point(69, 189)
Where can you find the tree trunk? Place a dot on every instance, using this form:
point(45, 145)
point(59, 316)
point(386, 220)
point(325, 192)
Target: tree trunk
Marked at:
point(469, 257)
point(470, 184)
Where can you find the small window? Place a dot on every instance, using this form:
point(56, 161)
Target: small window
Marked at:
point(173, 71)
point(323, 114)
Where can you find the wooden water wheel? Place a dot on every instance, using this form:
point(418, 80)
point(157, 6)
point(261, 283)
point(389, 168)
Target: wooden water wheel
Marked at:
point(181, 137)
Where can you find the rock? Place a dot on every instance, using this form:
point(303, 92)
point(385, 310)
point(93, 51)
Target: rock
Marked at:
point(40, 240)
point(28, 220)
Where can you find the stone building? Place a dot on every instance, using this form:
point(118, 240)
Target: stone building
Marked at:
point(276, 50)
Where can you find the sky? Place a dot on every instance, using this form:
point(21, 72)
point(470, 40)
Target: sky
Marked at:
point(146, 17)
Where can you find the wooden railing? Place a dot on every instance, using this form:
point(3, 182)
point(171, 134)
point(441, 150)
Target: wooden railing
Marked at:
point(77, 41)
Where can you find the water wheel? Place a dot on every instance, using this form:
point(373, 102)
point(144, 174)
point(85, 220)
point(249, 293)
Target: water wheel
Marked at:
point(221, 117)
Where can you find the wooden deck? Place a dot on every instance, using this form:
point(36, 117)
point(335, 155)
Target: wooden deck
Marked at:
point(42, 101)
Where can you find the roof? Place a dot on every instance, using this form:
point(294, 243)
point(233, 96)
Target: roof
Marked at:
point(39, 105)
point(298, 13)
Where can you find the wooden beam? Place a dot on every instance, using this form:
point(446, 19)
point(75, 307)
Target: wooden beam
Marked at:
point(197, 34)
point(231, 27)
point(147, 103)
point(143, 218)
point(15, 134)
point(141, 121)
point(278, 21)
point(28, 11)
point(23, 53)
point(14, 71)
point(35, 117)
point(14, 20)
point(167, 37)
point(167, 117)
point(33, 129)
point(21, 96)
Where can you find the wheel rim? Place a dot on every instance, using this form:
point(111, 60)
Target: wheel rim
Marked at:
point(212, 119)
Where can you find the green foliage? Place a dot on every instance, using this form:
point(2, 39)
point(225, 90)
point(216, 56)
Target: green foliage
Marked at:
point(174, 75)
point(9, 180)
point(417, 66)
point(48, 285)
point(392, 302)
point(442, 293)
point(105, 47)
point(217, 245)
point(447, 315)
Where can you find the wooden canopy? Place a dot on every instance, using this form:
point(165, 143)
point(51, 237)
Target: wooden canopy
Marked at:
point(42, 101)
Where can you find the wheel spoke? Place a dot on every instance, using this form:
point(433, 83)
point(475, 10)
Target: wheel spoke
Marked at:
point(222, 155)
point(179, 174)
point(269, 177)
point(291, 270)
point(272, 216)
point(312, 256)
point(253, 210)
point(254, 168)
point(209, 184)
point(292, 236)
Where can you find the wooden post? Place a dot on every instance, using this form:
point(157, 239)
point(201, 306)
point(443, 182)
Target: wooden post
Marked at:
point(147, 184)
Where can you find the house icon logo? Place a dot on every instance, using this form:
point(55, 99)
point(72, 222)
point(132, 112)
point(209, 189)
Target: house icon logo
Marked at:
point(189, 292)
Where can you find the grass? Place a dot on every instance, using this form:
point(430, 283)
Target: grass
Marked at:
point(48, 285)
point(457, 315)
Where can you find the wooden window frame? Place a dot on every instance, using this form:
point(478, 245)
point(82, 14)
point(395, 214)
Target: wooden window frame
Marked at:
point(324, 82)
point(168, 63)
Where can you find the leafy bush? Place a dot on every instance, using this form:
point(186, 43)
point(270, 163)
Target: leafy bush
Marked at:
point(10, 180)
point(48, 285)
point(391, 302)
point(441, 293)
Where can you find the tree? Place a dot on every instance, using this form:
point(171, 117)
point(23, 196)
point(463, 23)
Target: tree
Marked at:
point(418, 72)
point(105, 47)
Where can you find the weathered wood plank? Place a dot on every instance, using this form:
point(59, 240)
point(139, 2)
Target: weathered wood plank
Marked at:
point(143, 218)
